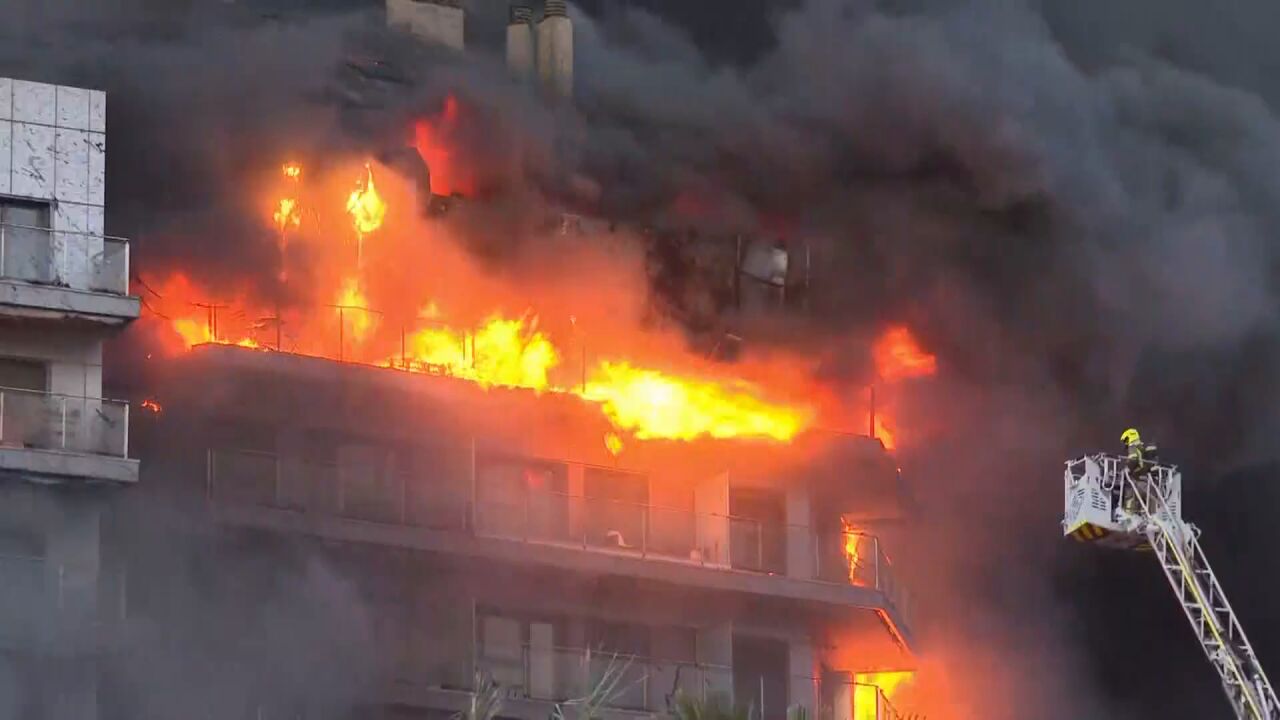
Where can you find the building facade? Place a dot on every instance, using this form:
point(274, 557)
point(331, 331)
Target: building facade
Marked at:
point(64, 448)
point(495, 532)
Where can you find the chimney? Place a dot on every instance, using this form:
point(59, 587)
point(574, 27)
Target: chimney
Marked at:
point(434, 21)
point(520, 41)
point(555, 49)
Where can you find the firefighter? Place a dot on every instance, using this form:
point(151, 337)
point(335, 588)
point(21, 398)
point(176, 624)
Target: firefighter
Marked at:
point(1141, 457)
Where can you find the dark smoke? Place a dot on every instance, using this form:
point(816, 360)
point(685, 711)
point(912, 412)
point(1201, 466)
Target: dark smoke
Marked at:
point(1073, 206)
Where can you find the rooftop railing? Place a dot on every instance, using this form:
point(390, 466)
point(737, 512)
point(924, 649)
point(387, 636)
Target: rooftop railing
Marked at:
point(78, 260)
point(388, 496)
point(49, 421)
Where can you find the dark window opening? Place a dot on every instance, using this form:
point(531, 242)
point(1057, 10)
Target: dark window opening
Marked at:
point(760, 668)
point(758, 539)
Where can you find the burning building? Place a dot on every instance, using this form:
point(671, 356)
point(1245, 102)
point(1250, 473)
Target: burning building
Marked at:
point(510, 489)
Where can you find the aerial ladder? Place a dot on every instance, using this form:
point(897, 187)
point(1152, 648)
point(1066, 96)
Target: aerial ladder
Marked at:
point(1111, 504)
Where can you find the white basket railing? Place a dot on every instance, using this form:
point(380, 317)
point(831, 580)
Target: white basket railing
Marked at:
point(48, 421)
point(66, 258)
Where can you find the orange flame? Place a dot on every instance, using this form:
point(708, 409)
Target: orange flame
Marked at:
point(292, 170)
point(643, 399)
point(613, 443)
point(433, 139)
point(365, 205)
point(353, 309)
point(652, 404)
point(287, 215)
point(898, 356)
point(502, 352)
point(869, 686)
point(852, 551)
point(151, 405)
point(883, 433)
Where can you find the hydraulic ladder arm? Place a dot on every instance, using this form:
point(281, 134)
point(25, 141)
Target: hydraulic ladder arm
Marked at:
point(1177, 547)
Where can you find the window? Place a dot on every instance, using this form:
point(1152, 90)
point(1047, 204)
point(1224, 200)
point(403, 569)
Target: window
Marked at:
point(24, 374)
point(522, 497)
point(615, 508)
point(758, 530)
point(760, 668)
point(28, 252)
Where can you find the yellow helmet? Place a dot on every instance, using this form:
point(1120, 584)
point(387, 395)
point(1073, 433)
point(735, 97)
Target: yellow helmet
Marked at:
point(1130, 436)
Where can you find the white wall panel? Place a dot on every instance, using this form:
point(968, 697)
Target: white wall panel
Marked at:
point(33, 150)
point(6, 149)
point(71, 172)
point(97, 168)
point(6, 98)
point(97, 111)
point(72, 108)
point(34, 102)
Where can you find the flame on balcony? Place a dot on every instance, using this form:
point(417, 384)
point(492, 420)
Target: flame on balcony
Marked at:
point(853, 551)
point(866, 699)
point(417, 301)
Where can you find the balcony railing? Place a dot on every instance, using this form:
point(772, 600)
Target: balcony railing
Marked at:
point(564, 674)
point(677, 535)
point(71, 259)
point(650, 685)
point(48, 421)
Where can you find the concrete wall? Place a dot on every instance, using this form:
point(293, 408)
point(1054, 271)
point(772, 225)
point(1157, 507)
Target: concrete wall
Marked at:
point(555, 55)
point(520, 49)
point(53, 147)
point(433, 22)
point(74, 356)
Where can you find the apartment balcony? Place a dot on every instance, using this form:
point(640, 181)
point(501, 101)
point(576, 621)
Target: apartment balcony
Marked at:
point(54, 275)
point(715, 551)
point(48, 437)
point(55, 608)
point(533, 680)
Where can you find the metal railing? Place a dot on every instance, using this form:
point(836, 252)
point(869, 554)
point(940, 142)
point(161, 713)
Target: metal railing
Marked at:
point(66, 258)
point(390, 496)
point(49, 421)
point(559, 674)
point(562, 674)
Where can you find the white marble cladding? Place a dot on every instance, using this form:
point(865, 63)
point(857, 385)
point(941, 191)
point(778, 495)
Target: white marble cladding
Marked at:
point(53, 146)
point(52, 142)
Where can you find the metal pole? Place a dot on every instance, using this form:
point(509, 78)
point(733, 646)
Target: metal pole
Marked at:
point(871, 414)
point(126, 430)
point(759, 547)
point(876, 544)
point(64, 422)
point(2, 247)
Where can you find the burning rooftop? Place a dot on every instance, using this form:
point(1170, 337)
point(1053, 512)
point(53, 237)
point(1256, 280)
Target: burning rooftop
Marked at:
point(396, 291)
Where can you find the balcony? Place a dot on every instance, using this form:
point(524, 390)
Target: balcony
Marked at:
point(452, 515)
point(58, 274)
point(565, 674)
point(533, 679)
point(49, 437)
